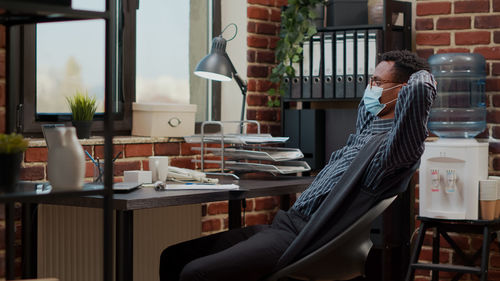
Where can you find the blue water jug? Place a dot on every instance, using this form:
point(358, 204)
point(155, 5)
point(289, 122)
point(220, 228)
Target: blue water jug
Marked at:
point(459, 110)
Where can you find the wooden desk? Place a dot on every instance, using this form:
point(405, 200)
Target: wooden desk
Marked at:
point(147, 198)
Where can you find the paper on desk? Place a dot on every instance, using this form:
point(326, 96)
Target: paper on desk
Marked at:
point(201, 186)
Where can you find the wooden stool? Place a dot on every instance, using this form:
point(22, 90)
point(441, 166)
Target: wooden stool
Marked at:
point(442, 227)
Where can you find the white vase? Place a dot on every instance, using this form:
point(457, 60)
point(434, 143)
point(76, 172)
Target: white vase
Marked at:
point(66, 159)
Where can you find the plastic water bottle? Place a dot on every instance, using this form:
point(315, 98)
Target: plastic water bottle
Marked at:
point(459, 110)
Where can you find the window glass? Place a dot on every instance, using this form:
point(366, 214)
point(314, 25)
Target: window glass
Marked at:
point(163, 51)
point(70, 58)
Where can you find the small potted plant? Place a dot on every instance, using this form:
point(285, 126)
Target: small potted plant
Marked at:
point(12, 147)
point(83, 108)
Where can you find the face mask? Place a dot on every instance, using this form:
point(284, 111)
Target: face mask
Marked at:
point(372, 96)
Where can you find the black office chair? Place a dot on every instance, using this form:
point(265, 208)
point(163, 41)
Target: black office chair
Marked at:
point(342, 258)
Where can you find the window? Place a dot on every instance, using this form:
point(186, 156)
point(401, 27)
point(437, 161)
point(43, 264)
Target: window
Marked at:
point(52, 60)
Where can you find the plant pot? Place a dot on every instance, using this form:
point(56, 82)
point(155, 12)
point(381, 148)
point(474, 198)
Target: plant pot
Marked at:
point(10, 166)
point(82, 128)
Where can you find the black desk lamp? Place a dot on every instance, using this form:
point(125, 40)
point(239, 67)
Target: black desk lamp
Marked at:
point(217, 66)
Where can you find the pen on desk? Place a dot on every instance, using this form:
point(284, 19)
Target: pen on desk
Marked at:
point(92, 159)
point(117, 155)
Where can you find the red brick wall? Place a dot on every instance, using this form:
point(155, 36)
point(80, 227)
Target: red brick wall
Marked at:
point(465, 26)
point(263, 25)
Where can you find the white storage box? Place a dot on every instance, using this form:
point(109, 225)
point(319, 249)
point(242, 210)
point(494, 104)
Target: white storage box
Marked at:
point(163, 119)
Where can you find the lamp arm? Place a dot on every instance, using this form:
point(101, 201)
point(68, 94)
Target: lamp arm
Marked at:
point(243, 87)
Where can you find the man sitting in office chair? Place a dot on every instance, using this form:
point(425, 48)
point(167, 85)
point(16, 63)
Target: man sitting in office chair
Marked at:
point(395, 106)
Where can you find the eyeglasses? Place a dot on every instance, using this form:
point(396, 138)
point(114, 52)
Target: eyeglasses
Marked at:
point(379, 82)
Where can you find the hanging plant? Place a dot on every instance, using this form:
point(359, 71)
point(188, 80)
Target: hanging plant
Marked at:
point(297, 26)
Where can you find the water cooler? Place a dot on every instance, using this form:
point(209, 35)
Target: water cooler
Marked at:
point(452, 166)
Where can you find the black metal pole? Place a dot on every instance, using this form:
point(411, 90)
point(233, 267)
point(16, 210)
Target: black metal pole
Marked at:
point(110, 93)
point(10, 238)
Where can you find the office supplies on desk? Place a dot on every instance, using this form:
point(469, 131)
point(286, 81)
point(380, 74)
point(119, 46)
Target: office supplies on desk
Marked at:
point(349, 65)
point(339, 65)
point(316, 67)
point(306, 70)
point(161, 186)
point(360, 65)
point(328, 62)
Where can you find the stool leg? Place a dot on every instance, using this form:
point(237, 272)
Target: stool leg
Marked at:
point(485, 253)
point(435, 253)
point(416, 252)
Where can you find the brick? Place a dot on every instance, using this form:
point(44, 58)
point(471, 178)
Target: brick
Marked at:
point(265, 203)
point(433, 39)
point(256, 100)
point(257, 42)
point(495, 70)
point(251, 55)
point(217, 208)
point(251, 27)
point(265, 57)
point(167, 149)
point(261, 2)
point(453, 50)
point(2, 93)
point(2, 65)
point(487, 21)
point(489, 53)
point(264, 85)
point(145, 165)
point(496, 164)
point(32, 173)
point(211, 225)
point(425, 53)
point(99, 150)
point(433, 8)
point(89, 169)
point(266, 28)
point(424, 24)
point(2, 36)
point(252, 85)
point(259, 13)
point(250, 205)
point(426, 255)
point(484, 134)
point(495, 132)
point(120, 166)
point(493, 116)
point(2, 122)
point(273, 42)
point(476, 6)
point(496, 36)
point(137, 150)
point(255, 219)
point(279, 3)
point(186, 148)
point(493, 84)
point(453, 23)
point(36, 154)
point(257, 71)
point(182, 162)
point(496, 5)
point(472, 38)
point(275, 15)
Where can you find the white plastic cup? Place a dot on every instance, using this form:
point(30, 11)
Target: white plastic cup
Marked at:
point(497, 206)
point(158, 166)
point(487, 198)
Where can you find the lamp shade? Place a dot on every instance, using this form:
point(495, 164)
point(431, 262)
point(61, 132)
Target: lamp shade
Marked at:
point(216, 65)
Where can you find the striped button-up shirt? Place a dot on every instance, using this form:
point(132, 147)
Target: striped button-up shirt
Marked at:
point(404, 145)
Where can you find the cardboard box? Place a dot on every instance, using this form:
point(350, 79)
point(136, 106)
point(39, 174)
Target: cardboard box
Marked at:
point(163, 119)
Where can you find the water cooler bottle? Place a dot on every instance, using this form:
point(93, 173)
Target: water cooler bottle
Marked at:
point(452, 166)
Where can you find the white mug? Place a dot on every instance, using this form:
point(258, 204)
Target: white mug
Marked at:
point(158, 166)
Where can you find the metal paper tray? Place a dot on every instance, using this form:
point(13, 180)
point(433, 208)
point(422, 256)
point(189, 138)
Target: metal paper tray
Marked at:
point(288, 167)
point(237, 138)
point(275, 154)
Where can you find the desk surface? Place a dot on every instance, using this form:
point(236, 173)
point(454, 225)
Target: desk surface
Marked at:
point(145, 198)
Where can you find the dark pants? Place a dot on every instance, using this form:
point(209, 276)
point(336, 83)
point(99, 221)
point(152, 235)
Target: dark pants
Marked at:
point(248, 253)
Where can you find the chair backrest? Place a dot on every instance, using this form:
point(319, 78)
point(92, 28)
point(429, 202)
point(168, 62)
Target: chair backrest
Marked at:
point(343, 257)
